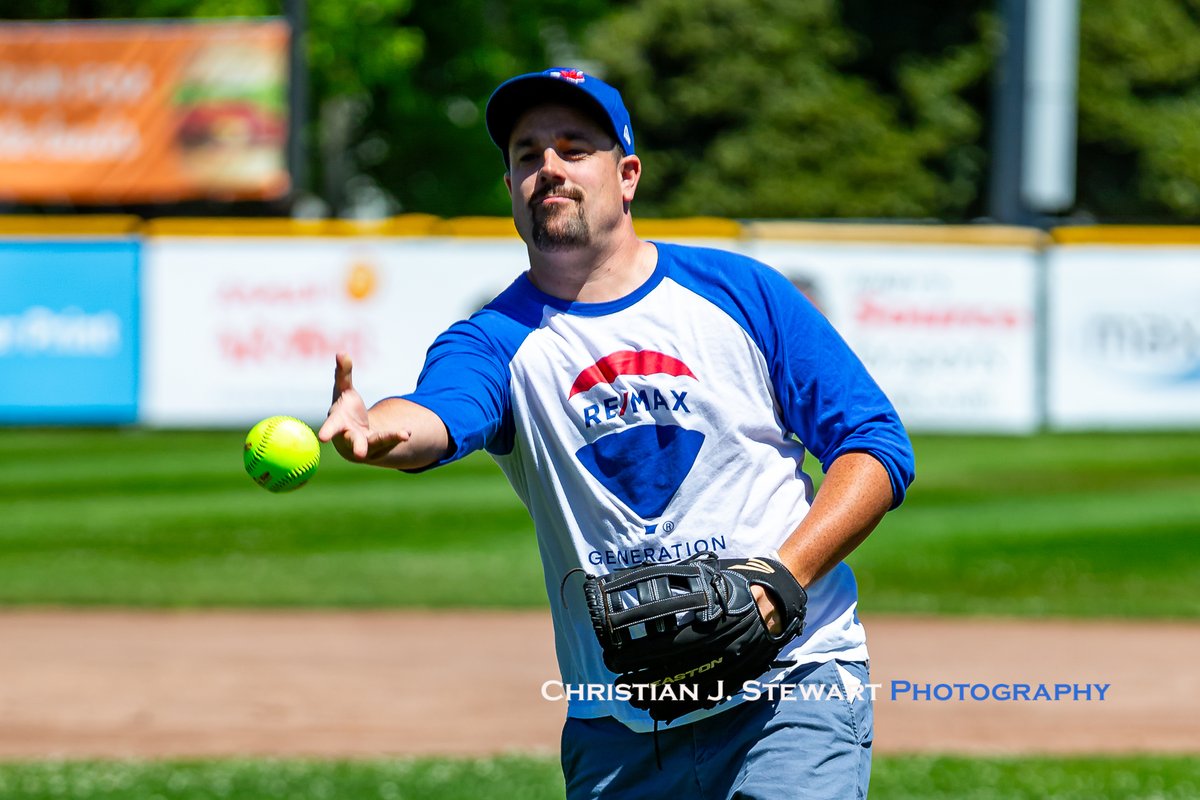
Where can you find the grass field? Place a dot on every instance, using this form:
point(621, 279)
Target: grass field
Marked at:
point(528, 778)
point(1072, 525)
point(1068, 525)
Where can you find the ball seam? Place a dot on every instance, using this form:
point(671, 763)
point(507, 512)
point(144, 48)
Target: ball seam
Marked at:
point(287, 478)
point(260, 449)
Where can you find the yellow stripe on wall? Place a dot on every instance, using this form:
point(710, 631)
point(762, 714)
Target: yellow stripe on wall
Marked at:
point(688, 228)
point(1127, 234)
point(693, 227)
point(417, 225)
point(83, 224)
point(471, 227)
point(406, 225)
point(902, 234)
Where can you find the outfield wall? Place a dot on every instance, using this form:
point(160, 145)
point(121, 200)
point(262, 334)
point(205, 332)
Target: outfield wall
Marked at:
point(1123, 328)
point(69, 328)
point(947, 324)
point(215, 323)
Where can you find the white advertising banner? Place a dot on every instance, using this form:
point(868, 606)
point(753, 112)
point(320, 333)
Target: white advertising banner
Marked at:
point(1124, 336)
point(237, 329)
point(948, 331)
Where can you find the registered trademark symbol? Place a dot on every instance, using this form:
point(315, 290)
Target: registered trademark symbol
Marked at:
point(668, 526)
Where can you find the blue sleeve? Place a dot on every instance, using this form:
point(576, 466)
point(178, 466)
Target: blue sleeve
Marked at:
point(827, 397)
point(465, 384)
point(466, 377)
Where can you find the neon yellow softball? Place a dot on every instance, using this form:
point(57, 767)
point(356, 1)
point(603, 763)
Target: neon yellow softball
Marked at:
point(281, 454)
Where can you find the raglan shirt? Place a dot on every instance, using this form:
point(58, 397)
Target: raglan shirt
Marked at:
point(672, 421)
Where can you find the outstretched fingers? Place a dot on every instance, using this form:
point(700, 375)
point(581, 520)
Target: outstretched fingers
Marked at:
point(380, 443)
point(343, 380)
point(364, 444)
point(349, 425)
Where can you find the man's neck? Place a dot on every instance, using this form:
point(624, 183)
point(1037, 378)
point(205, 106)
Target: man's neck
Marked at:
point(589, 275)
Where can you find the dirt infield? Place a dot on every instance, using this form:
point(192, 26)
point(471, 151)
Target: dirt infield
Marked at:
point(334, 684)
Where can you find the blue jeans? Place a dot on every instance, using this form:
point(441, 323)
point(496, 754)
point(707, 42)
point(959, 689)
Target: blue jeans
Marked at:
point(765, 749)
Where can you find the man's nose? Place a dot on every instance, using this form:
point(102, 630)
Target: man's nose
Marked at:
point(553, 165)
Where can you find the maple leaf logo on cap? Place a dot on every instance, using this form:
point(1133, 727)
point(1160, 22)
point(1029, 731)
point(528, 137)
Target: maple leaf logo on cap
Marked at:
point(573, 75)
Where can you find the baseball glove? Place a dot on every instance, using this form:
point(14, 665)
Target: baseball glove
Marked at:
point(685, 635)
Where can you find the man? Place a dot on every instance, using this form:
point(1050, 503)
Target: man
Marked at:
point(648, 402)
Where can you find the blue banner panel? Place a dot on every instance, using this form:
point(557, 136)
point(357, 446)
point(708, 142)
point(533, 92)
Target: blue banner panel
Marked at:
point(68, 331)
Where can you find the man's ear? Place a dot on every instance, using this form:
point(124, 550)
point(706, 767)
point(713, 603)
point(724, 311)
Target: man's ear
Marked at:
point(630, 168)
point(508, 182)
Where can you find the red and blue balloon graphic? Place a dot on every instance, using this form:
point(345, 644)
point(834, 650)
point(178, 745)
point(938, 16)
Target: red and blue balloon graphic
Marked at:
point(642, 465)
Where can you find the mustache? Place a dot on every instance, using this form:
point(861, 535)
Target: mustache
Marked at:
point(556, 191)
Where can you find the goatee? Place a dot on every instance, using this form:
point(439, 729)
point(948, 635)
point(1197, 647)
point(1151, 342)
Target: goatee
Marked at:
point(556, 228)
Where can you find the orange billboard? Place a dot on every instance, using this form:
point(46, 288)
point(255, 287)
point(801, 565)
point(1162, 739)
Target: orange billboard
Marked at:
point(110, 113)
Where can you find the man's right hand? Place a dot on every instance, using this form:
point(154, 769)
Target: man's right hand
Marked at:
point(348, 425)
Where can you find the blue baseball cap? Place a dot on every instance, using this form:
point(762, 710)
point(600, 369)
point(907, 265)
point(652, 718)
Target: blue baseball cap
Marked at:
point(556, 85)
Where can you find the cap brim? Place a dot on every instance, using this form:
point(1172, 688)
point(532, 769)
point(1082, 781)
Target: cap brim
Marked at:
point(518, 95)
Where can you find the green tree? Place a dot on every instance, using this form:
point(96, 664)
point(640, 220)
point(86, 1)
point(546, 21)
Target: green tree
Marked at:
point(771, 108)
point(749, 108)
point(434, 154)
point(1139, 110)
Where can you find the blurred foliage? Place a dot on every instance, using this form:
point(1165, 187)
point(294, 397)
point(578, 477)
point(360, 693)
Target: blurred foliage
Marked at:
point(775, 108)
point(744, 108)
point(1139, 109)
point(440, 159)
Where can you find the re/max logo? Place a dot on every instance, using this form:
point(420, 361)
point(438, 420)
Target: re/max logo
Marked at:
point(631, 403)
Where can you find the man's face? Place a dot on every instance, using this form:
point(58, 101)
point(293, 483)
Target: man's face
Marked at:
point(565, 179)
